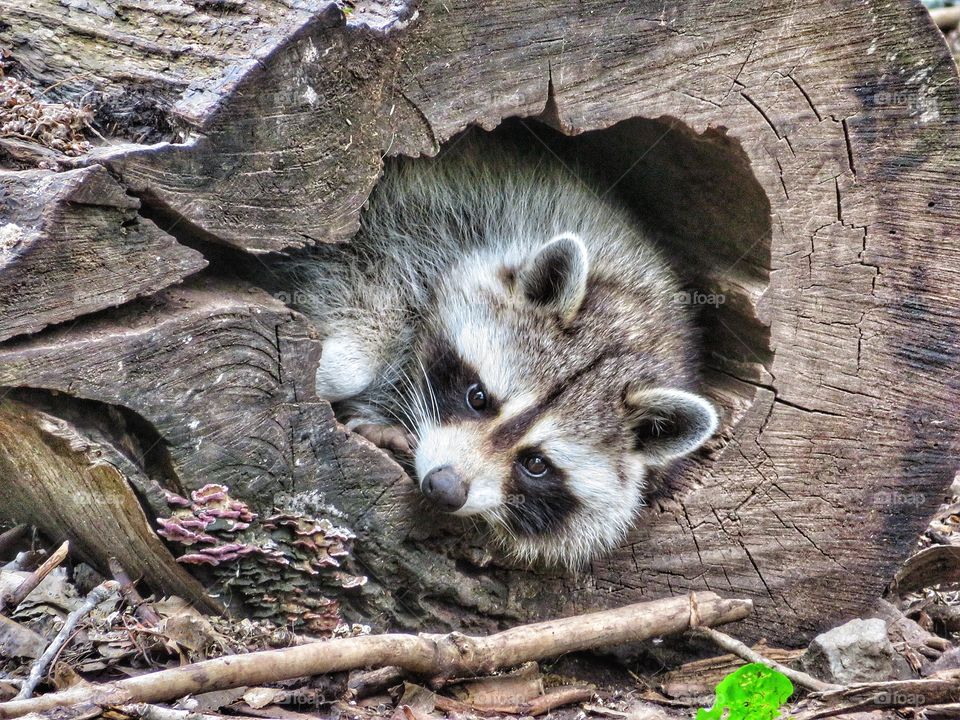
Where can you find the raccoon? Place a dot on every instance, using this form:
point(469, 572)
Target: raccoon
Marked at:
point(517, 336)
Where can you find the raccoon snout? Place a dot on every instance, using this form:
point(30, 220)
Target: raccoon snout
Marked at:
point(445, 487)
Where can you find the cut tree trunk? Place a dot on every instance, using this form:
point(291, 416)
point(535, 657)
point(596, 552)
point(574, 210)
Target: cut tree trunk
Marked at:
point(801, 162)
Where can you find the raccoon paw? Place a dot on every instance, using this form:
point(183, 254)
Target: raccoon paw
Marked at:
point(387, 437)
point(346, 368)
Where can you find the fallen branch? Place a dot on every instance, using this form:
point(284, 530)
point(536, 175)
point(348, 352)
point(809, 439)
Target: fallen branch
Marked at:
point(95, 597)
point(13, 599)
point(937, 689)
point(732, 645)
point(425, 655)
point(363, 684)
point(949, 711)
point(154, 712)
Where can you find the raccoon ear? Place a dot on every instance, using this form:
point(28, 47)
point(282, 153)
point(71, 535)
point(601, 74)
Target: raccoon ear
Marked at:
point(668, 423)
point(555, 276)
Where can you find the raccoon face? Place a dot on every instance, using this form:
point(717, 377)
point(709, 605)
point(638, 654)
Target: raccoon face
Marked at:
point(540, 415)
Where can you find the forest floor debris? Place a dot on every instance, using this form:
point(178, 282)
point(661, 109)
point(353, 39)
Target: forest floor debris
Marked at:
point(121, 642)
point(125, 642)
point(437, 658)
point(26, 114)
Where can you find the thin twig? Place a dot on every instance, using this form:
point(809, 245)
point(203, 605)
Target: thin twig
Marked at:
point(13, 599)
point(732, 645)
point(95, 597)
point(143, 611)
point(425, 655)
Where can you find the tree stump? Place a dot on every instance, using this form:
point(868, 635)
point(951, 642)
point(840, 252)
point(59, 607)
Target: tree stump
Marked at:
point(802, 170)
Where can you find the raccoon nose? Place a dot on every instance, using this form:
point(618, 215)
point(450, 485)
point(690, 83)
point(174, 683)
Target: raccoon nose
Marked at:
point(444, 486)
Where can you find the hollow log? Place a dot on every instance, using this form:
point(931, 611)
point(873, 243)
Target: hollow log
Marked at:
point(798, 162)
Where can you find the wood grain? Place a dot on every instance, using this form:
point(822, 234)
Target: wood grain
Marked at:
point(72, 243)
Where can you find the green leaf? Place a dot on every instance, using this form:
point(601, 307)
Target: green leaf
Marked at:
point(753, 692)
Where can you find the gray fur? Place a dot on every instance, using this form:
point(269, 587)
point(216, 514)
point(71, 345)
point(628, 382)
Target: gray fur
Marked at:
point(458, 251)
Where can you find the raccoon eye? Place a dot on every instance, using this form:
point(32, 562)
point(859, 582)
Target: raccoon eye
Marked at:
point(535, 465)
point(477, 397)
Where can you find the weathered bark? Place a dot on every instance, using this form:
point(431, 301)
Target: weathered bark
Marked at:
point(801, 167)
point(72, 244)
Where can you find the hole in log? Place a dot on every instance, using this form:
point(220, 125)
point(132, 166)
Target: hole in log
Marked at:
point(697, 194)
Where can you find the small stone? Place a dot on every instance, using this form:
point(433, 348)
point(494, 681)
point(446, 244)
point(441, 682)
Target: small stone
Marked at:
point(858, 651)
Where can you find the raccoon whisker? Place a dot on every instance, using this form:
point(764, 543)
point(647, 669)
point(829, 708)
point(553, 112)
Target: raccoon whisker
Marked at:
point(415, 398)
point(400, 415)
point(497, 519)
point(403, 414)
point(420, 401)
point(402, 395)
point(396, 408)
point(432, 396)
point(471, 522)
